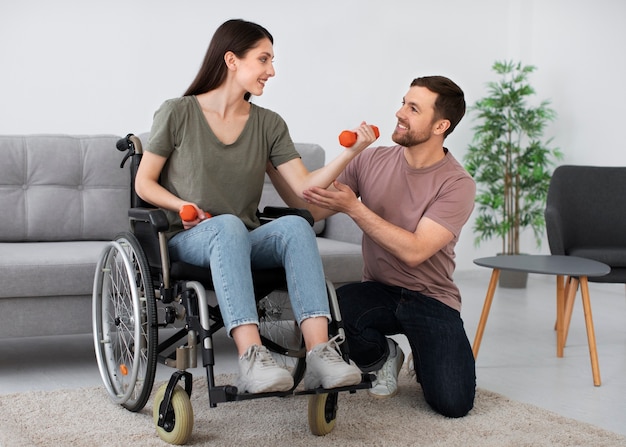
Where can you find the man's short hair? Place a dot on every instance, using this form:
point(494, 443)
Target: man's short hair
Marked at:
point(450, 103)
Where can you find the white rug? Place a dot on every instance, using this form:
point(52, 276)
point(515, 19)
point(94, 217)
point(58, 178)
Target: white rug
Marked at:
point(86, 417)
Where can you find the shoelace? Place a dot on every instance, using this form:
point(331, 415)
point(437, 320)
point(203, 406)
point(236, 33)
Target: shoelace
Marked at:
point(261, 355)
point(330, 349)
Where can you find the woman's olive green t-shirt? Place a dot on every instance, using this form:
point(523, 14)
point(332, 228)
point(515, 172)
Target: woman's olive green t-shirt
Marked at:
point(220, 178)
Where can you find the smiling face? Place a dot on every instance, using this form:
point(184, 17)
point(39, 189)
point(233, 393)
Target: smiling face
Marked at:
point(256, 67)
point(416, 118)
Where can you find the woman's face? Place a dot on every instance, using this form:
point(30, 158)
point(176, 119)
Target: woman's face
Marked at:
point(256, 67)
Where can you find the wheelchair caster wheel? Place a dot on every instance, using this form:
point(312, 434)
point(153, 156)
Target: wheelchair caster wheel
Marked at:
point(322, 413)
point(178, 429)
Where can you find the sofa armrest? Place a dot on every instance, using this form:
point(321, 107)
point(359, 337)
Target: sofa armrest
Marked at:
point(340, 227)
point(340, 248)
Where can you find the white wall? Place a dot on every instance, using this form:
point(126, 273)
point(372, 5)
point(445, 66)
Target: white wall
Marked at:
point(81, 67)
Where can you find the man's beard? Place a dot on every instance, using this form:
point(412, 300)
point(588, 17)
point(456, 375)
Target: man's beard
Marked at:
point(408, 140)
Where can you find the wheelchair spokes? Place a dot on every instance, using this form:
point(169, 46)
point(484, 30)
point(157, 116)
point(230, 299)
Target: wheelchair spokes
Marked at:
point(124, 324)
point(281, 334)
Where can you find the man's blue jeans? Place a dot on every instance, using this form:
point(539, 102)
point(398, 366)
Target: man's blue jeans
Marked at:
point(443, 358)
point(224, 244)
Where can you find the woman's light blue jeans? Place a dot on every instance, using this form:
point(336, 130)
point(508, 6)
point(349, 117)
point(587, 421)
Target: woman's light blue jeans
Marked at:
point(224, 244)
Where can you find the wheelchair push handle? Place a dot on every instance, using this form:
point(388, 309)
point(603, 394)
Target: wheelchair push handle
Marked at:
point(189, 213)
point(347, 138)
point(130, 144)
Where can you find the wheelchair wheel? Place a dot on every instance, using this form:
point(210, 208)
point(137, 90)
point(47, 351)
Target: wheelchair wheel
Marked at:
point(281, 334)
point(322, 413)
point(124, 322)
point(182, 424)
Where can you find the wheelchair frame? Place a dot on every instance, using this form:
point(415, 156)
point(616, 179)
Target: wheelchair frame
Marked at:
point(134, 274)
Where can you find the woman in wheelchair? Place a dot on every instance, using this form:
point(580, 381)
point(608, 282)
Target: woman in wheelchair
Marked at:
point(210, 149)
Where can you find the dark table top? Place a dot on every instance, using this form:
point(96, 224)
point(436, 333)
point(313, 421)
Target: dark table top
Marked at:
point(546, 264)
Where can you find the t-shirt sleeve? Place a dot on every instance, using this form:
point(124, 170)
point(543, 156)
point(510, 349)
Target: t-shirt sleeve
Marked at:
point(454, 204)
point(163, 134)
point(282, 147)
point(350, 175)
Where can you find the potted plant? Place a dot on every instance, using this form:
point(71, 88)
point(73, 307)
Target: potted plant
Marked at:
point(510, 160)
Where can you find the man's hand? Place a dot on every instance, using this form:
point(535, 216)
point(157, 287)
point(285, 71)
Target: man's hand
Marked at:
point(339, 198)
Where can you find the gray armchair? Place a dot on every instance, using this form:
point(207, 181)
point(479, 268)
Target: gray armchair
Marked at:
point(586, 216)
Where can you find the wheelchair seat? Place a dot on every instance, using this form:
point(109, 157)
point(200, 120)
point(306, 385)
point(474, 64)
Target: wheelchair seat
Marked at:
point(265, 281)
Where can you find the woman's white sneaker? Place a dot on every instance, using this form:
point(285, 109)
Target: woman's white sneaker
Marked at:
point(325, 367)
point(259, 372)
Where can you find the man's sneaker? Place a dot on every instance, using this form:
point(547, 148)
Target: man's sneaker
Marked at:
point(410, 368)
point(386, 383)
point(259, 372)
point(325, 367)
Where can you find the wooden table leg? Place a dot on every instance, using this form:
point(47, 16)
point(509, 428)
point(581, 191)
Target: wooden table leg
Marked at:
point(493, 283)
point(591, 336)
point(560, 308)
point(568, 291)
point(571, 288)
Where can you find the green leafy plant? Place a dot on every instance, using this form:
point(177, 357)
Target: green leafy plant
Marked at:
point(509, 159)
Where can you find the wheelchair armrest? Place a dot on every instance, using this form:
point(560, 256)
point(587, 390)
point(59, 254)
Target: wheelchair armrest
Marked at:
point(274, 212)
point(154, 216)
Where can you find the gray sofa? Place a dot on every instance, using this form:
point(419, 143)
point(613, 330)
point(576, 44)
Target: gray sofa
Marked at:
point(62, 198)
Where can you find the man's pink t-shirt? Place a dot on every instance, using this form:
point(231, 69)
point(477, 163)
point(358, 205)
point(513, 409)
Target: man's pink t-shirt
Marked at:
point(402, 195)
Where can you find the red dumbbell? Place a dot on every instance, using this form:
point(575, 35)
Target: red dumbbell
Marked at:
point(189, 213)
point(347, 138)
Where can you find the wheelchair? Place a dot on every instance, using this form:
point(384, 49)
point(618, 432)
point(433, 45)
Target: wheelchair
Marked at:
point(138, 294)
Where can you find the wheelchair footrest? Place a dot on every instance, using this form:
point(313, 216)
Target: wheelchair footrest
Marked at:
point(230, 393)
point(366, 383)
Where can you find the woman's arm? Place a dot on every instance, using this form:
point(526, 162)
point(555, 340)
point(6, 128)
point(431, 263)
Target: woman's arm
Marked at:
point(147, 186)
point(291, 198)
point(300, 179)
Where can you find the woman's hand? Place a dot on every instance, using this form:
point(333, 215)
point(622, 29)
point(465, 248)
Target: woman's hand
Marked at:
point(365, 136)
point(191, 215)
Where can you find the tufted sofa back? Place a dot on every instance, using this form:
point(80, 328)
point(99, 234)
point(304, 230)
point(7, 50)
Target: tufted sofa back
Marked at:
point(62, 188)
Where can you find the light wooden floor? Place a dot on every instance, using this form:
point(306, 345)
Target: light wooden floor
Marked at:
point(517, 357)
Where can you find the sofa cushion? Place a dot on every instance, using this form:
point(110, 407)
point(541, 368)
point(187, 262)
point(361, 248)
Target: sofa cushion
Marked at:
point(342, 261)
point(341, 227)
point(44, 269)
point(62, 188)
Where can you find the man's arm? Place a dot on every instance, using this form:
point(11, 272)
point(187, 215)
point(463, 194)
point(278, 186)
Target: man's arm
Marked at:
point(412, 248)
